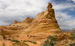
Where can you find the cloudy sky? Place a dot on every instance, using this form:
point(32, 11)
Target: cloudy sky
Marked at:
point(11, 10)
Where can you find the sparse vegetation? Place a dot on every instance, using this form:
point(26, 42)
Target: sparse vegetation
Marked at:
point(54, 38)
point(29, 41)
point(15, 41)
point(73, 35)
point(37, 29)
point(50, 41)
point(18, 43)
point(3, 36)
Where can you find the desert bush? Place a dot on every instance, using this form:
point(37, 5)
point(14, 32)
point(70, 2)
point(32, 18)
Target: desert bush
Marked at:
point(18, 43)
point(33, 42)
point(54, 38)
point(46, 43)
point(50, 41)
point(3, 36)
point(73, 35)
point(15, 41)
point(29, 41)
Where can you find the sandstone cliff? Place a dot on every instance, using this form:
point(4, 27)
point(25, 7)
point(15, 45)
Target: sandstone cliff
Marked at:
point(44, 22)
point(37, 29)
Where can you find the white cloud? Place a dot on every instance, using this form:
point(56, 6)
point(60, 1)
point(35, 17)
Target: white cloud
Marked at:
point(73, 1)
point(63, 6)
point(65, 20)
point(3, 23)
point(20, 9)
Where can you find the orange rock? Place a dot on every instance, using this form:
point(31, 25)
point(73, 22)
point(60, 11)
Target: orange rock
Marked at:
point(49, 5)
point(27, 18)
point(61, 37)
point(44, 24)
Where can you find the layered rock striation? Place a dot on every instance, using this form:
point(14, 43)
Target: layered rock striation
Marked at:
point(44, 22)
point(38, 29)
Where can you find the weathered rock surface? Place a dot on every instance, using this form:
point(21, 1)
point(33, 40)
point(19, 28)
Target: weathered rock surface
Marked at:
point(37, 29)
point(44, 22)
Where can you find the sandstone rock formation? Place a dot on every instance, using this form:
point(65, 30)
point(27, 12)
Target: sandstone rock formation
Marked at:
point(44, 22)
point(36, 29)
point(28, 20)
point(16, 22)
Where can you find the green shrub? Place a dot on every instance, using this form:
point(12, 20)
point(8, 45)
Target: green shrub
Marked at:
point(18, 43)
point(33, 42)
point(73, 35)
point(15, 41)
point(46, 43)
point(50, 41)
point(3, 36)
point(29, 41)
point(54, 38)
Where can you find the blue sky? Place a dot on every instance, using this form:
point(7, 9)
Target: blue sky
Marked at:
point(19, 10)
point(65, 13)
